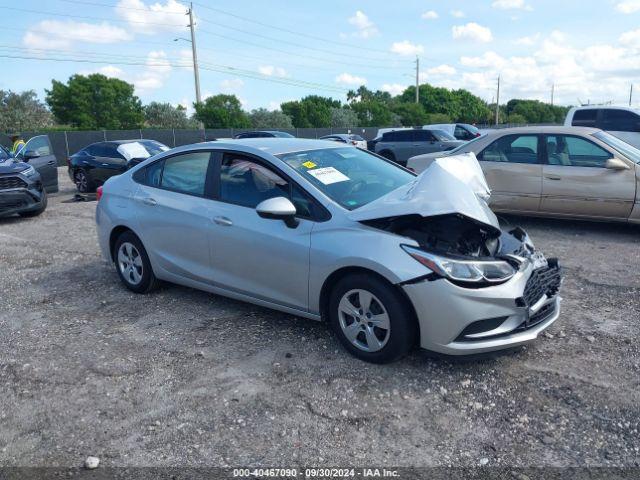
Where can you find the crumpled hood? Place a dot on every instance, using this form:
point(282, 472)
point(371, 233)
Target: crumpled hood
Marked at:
point(454, 184)
point(11, 166)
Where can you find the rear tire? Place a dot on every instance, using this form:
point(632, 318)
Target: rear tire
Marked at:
point(83, 181)
point(382, 331)
point(132, 264)
point(35, 213)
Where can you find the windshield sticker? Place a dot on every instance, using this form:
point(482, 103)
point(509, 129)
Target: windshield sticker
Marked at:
point(309, 164)
point(328, 175)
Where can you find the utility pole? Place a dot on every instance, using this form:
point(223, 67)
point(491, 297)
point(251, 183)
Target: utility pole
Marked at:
point(630, 94)
point(498, 103)
point(196, 74)
point(553, 86)
point(417, 79)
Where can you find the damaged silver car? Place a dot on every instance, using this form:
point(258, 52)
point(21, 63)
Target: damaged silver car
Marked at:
point(320, 230)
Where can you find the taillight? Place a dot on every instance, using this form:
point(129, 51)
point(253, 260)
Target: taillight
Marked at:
point(353, 142)
point(99, 193)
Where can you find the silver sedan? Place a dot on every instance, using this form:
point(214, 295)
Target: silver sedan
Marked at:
point(331, 232)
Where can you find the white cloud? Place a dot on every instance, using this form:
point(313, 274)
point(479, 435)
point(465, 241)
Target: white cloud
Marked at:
point(442, 70)
point(472, 31)
point(628, 6)
point(393, 88)
point(271, 71)
point(406, 48)
point(457, 13)
point(511, 5)
point(365, 28)
point(153, 18)
point(631, 39)
point(231, 85)
point(348, 79)
point(54, 34)
point(430, 15)
point(528, 41)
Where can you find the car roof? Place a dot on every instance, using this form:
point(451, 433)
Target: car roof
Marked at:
point(273, 146)
point(543, 129)
point(608, 107)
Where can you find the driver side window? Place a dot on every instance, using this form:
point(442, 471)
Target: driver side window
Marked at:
point(246, 183)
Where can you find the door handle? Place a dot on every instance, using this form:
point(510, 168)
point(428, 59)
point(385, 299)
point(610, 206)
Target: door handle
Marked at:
point(552, 177)
point(149, 201)
point(224, 221)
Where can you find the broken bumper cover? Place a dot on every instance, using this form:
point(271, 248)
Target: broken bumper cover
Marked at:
point(456, 320)
point(22, 199)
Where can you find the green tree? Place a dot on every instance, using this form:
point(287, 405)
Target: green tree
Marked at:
point(516, 119)
point(535, 111)
point(373, 108)
point(95, 101)
point(436, 118)
point(344, 117)
point(262, 118)
point(312, 111)
point(459, 105)
point(22, 111)
point(222, 111)
point(165, 115)
point(411, 114)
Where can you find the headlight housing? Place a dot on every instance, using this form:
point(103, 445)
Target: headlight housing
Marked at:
point(465, 271)
point(29, 171)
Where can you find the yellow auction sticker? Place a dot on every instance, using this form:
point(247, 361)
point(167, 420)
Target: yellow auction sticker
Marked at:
point(309, 164)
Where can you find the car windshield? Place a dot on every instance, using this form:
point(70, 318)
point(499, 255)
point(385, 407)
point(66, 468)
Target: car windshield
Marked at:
point(282, 135)
point(153, 147)
point(356, 138)
point(443, 136)
point(349, 176)
point(465, 146)
point(629, 151)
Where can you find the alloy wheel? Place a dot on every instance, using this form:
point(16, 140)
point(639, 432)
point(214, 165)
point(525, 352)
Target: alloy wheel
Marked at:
point(364, 320)
point(81, 181)
point(130, 263)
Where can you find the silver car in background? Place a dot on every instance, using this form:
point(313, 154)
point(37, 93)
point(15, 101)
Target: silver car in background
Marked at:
point(400, 145)
point(331, 232)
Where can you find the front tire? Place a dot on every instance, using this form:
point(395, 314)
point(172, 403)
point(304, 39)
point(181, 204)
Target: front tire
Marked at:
point(371, 319)
point(132, 264)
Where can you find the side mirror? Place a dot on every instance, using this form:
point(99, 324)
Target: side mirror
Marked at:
point(616, 164)
point(29, 154)
point(278, 208)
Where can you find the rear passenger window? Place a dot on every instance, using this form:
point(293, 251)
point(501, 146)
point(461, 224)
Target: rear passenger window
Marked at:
point(512, 149)
point(423, 136)
point(186, 173)
point(585, 118)
point(620, 121)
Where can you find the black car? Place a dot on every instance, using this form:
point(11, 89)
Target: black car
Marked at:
point(264, 134)
point(93, 165)
point(21, 189)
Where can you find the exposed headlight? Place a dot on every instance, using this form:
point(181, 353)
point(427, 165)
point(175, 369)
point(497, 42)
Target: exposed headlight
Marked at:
point(491, 271)
point(29, 171)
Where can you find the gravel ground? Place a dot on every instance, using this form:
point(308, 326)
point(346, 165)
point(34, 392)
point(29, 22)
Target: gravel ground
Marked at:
point(185, 378)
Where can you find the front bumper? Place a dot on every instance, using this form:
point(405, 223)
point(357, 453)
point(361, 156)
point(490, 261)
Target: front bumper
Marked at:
point(18, 200)
point(458, 321)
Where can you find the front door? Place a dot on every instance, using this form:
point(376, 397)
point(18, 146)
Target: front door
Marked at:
point(255, 256)
point(514, 174)
point(576, 181)
point(45, 162)
point(174, 215)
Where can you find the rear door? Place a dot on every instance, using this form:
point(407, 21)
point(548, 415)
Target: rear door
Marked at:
point(576, 181)
point(402, 145)
point(174, 214)
point(624, 124)
point(512, 167)
point(45, 162)
point(425, 141)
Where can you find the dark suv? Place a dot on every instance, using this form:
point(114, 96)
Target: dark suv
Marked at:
point(21, 189)
point(400, 145)
point(93, 165)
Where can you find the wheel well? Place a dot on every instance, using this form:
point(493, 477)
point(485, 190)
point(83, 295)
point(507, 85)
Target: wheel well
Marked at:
point(335, 277)
point(384, 153)
point(115, 233)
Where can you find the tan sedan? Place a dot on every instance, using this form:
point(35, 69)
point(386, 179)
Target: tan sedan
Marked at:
point(556, 171)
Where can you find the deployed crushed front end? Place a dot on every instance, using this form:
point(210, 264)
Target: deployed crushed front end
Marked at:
point(483, 288)
point(461, 317)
